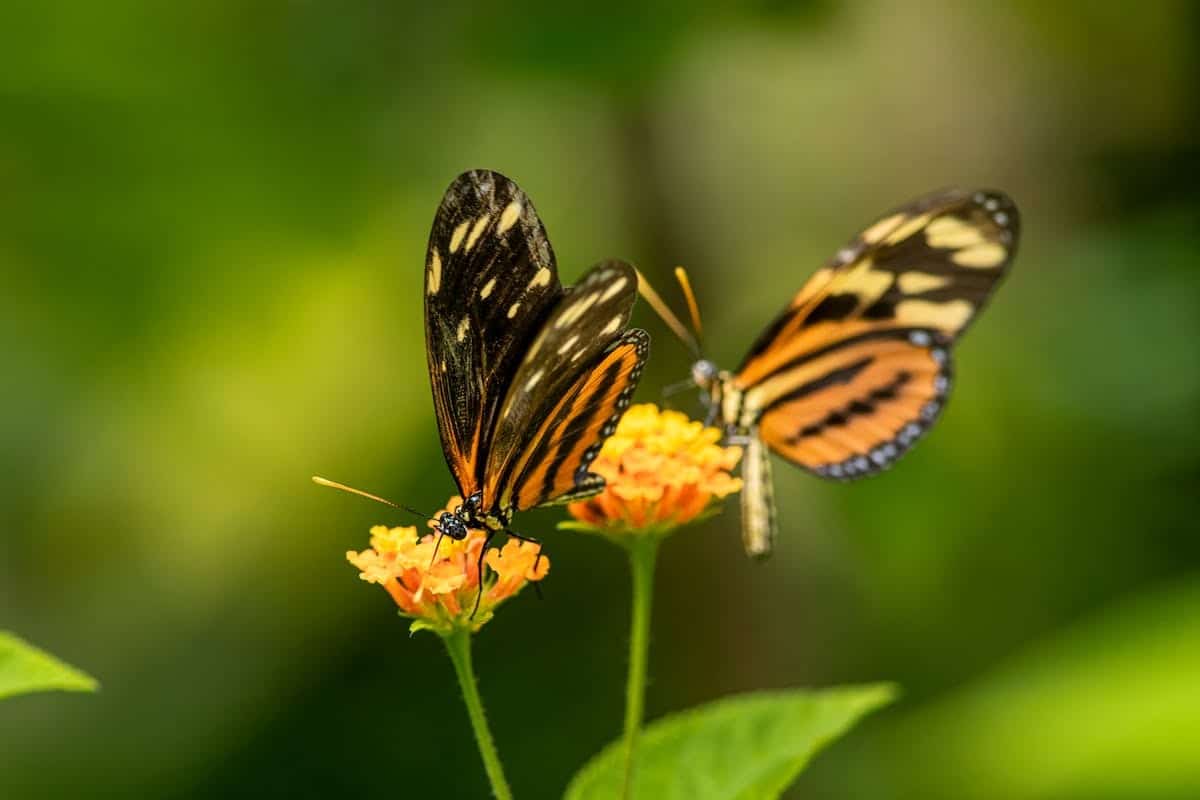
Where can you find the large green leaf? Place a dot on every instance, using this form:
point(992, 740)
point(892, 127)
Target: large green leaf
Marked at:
point(740, 748)
point(24, 668)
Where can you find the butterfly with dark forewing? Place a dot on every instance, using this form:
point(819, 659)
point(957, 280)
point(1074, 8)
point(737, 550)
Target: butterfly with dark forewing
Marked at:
point(857, 367)
point(529, 378)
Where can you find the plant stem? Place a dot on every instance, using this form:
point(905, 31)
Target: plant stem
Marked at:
point(643, 550)
point(458, 645)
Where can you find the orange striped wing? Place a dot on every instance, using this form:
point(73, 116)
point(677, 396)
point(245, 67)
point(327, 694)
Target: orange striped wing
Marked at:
point(554, 418)
point(855, 408)
point(554, 468)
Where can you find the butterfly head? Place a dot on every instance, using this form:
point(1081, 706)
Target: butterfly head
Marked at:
point(704, 372)
point(456, 524)
point(451, 524)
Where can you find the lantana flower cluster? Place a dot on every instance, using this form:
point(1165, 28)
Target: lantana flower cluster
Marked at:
point(439, 592)
point(661, 469)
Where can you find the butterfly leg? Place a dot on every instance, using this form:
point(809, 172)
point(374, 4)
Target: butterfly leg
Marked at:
point(521, 538)
point(737, 439)
point(479, 568)
point(712, 409)
point(537, 587)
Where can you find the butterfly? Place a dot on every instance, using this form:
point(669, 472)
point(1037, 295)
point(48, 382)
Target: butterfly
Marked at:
point(858, 366)
point(529, 378)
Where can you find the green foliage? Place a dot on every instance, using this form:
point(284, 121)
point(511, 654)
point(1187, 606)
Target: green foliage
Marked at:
point(419, 625)
point(24, 668)
point(215, 220)
point(1108, 708)
point(740, 748)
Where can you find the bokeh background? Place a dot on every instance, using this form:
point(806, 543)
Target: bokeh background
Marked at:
point(212, 227)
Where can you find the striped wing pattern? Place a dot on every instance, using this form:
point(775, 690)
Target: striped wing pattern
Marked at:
point(869, 401)
point(858, 366)
point(580, 370)
point(554, 468)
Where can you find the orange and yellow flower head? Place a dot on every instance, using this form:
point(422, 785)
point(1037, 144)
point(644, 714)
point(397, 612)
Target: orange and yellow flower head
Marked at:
point(439, 592)
point(662, 470)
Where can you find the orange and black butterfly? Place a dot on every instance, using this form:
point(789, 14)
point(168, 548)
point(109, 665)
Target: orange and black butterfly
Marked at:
point(858, 366)
point(529, 378)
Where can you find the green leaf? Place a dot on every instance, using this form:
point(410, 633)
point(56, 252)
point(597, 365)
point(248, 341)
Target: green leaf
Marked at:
point(745, 747)
point(421, 625)
point(24, 668)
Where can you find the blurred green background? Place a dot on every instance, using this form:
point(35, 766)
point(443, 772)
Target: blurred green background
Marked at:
point(212, 227)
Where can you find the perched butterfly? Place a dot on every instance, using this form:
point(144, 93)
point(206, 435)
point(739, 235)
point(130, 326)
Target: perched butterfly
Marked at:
point(857, 367)
point(528, 378)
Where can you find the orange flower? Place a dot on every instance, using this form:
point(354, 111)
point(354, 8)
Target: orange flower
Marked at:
point(439, 594)
point(662, 470)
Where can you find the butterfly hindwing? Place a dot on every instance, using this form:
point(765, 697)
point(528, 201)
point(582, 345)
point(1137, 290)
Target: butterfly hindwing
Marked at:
point(855, 408)
point(588, 317)
point(570, 345)
point(490, 281)
point(587, 414)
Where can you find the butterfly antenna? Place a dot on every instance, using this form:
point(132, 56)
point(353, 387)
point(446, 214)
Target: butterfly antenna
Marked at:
point(693, 307)
point(317, 479)
point(667, 315)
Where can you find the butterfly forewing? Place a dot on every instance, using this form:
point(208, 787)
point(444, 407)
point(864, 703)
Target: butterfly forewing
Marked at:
point(929, 265)
point(490, 281)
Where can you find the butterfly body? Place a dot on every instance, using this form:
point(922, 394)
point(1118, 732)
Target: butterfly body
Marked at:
point(858, 366)
point(528, 377)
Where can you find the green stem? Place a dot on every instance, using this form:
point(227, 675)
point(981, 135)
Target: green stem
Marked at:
point(458, 645)
point(643, 550)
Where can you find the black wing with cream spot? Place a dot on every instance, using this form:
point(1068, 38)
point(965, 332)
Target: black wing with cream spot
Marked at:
point(573, 344)
point(858, 366)
point(490, 282)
